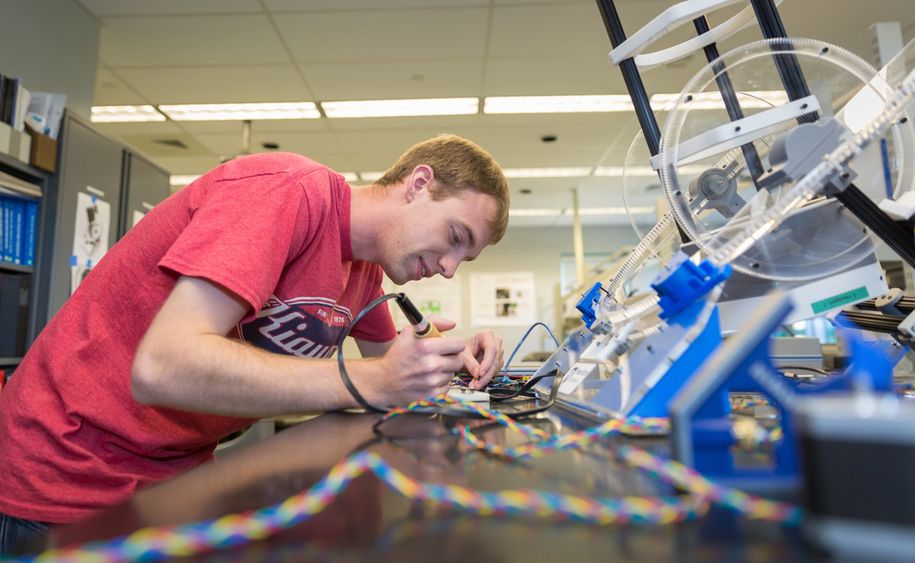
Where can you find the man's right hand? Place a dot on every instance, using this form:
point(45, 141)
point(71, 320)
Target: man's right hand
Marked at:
point(415, 368)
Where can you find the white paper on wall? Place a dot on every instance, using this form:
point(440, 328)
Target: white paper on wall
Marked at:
point(503, 299)
point(90, 236)
point(432, 296)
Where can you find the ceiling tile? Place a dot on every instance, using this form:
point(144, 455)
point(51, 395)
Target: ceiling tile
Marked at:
point(547, 76)
point(190, 40)
point(439, 123)
point(112, 91)
point(312, 145)
point(317, 5)
point(218, 84)
point(258, 126)
point(373, 35)
point(394, 80)
point(547, 31)
point(119, 130)
point(188, 164)
point(101, 8)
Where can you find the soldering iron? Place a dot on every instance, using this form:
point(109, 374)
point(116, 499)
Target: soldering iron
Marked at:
point(422, 328)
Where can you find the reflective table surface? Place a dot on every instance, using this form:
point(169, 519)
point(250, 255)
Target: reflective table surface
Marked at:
point(368, 521)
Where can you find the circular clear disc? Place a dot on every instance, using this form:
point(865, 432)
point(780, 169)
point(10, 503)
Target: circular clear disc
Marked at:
point(718, 176)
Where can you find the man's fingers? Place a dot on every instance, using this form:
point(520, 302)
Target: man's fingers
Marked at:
point(440, 323)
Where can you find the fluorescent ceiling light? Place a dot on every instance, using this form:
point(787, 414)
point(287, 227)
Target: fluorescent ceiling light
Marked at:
point(534, 212)
point(370, 176)
point(556, 104)
point(182, 180)
point(401, 108)
point(125, 114)
point(647, 171)
point(555, 212)
point(614, 210)
point(712, 100)
point(225, 112)
point(561, 172)
point(350, 176)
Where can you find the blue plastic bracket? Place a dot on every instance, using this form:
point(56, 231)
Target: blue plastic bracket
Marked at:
point(588, 303)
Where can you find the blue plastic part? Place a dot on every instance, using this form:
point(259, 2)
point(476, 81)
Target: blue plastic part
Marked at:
point(587, 305)
point(682, 283)
point(648, 393)
point(656, 400)
point(701, 424)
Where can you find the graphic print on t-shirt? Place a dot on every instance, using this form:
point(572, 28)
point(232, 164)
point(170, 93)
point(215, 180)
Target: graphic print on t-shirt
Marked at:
point(301, 326)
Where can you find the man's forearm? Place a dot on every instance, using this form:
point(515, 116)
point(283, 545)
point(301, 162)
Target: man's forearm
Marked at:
point(215, 374)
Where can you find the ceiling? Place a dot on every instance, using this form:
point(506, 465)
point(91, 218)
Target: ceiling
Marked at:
point(219, 51)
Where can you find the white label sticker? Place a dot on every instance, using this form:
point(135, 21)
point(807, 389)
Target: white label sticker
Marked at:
point(574, 377)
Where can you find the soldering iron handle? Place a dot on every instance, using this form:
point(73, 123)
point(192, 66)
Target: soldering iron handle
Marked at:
point(422, 328)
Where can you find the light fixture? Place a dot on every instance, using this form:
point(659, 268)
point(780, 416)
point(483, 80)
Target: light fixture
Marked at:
point(534, 212)
point(125, 114)
point(182, 179)
point(556, 104)
point(555, 211)
point(241, 112)
point(557, 172)
point(401, 108)
point(370, 176)
point(648, 171)
point(350, 176)
point(712, 100)
point(614, 210)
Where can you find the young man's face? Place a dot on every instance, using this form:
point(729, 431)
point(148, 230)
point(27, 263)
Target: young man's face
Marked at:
point(434, 237)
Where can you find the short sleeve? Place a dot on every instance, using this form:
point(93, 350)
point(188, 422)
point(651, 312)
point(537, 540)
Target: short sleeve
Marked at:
point(241, 234)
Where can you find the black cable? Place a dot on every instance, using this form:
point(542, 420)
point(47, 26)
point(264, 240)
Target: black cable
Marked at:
point(345, 376)
point(462, 413)
point(523, 389)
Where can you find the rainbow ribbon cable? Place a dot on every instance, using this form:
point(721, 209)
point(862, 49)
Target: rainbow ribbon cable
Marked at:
point(157, 543)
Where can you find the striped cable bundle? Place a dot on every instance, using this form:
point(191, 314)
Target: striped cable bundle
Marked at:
point(667, 470)
point(154, 544)
point(157, 543)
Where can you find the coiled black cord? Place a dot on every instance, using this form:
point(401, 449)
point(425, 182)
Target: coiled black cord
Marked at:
point(347, 382)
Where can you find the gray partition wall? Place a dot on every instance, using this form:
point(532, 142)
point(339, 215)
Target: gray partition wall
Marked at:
point(89, 164)
point(108, 174)
point(144, 186)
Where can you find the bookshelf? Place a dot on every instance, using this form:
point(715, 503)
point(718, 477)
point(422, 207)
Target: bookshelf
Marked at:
point(22, 191)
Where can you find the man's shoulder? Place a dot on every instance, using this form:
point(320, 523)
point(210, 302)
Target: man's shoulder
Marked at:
point(285, 163)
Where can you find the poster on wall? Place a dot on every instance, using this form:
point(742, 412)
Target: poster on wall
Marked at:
point(90, 236)
point(432, 296)
point(503, 299)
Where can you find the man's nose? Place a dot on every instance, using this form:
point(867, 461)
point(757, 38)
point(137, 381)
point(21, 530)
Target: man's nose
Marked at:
point(448, 266)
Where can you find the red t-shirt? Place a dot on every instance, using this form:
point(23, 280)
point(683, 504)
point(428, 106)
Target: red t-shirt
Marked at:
point(273, 229)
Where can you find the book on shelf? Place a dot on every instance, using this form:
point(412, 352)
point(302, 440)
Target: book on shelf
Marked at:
point(18, 230)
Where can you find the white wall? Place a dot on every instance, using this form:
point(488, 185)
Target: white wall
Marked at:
point(52, 46)
point(529, 249)
point(536, 249)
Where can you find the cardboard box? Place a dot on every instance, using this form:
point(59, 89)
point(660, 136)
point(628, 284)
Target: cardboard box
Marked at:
point(43, 151)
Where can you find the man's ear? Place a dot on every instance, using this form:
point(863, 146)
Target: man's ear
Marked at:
point(420, 179)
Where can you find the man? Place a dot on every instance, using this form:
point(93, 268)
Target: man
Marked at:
point(216, 309)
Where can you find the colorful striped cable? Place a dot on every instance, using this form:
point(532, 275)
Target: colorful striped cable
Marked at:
point(153, 544)
point(667, 470)
point(156, 543)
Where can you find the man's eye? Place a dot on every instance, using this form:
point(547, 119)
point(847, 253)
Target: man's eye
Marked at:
point(455, 238)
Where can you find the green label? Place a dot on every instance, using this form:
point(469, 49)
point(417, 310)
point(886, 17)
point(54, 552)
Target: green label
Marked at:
point(851, 296)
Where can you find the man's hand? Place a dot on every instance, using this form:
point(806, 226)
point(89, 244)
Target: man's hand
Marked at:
point(482, 357)
point(416, 368)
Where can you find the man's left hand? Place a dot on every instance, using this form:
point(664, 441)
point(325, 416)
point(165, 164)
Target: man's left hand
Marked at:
point(482, 357)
